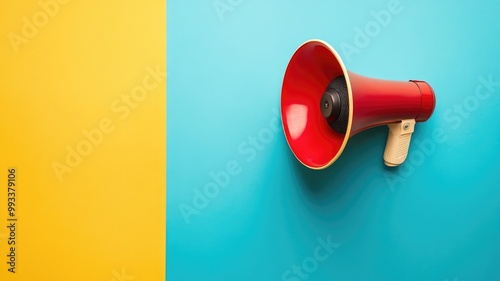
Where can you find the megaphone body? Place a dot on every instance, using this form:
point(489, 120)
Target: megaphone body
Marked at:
point(323, 105)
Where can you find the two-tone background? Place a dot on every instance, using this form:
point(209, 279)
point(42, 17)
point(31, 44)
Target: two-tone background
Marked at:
point(83, 122)
point(241, 207)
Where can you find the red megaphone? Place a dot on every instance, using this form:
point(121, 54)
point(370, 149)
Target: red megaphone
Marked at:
point(323, 104)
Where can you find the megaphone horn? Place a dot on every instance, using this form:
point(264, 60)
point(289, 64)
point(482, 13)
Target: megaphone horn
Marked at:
point(323, 105)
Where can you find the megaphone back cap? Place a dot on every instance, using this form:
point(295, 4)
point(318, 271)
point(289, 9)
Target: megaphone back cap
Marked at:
point(311, 69)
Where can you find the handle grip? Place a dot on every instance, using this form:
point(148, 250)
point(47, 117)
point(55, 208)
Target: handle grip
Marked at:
point(398, 142)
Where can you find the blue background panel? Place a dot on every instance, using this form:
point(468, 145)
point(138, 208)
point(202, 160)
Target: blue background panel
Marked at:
point(241, 207)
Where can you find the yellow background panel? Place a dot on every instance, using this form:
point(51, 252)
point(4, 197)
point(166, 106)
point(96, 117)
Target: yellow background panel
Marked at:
point(82, 118)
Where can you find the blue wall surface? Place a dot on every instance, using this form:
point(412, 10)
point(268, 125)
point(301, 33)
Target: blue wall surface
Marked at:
point(241, 207)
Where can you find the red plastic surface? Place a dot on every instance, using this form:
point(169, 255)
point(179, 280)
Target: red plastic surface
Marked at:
point(372, 102)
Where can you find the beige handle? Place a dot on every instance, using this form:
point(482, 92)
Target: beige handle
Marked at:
point(398, 142)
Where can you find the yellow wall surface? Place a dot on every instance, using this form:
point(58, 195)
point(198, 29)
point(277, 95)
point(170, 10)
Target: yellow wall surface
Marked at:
point(83, 133)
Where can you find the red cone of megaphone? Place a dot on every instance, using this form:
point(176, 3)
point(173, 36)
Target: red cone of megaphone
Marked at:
point(323, 105)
